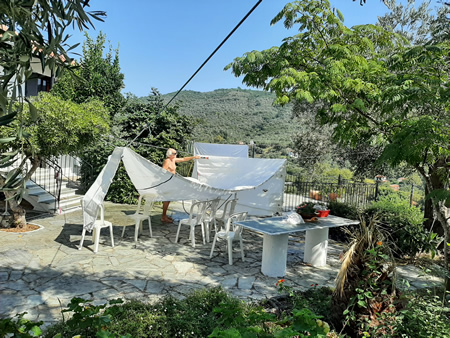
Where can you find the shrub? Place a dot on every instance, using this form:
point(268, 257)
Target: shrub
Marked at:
point(343, 210)
point(19, 327)
point(193, 316)
point(424, 316)
point(87, 320)
point(404, 223)
point(365, 292)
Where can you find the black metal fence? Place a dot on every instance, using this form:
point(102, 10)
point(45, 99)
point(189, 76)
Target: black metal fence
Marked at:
point(297, 191)
point(48, 177)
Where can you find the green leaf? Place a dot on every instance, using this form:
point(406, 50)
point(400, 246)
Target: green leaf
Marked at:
point(24, 58)
point(6, 119)
point(339, 15)
point(6, 140)
point(33, 111)
point(36, 331)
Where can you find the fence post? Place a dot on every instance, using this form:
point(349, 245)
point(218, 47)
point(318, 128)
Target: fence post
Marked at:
point(376, 190)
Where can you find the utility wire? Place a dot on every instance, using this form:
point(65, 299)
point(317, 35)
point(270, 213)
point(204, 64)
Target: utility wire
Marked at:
point(204, 63)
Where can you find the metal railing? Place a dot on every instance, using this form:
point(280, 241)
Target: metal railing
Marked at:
point(49, 177)
point(72, 167)
point(297, 191)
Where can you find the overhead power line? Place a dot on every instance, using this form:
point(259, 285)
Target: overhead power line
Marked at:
point(204, 63)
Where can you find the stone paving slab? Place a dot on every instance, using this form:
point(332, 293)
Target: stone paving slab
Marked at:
point(41, 271)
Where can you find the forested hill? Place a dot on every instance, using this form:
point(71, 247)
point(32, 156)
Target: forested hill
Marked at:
point(237, 115)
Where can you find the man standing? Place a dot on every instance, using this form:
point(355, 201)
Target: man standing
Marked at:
point(170, 165)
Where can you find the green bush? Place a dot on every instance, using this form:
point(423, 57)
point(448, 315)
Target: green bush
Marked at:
point(203, 313)
point(404, 223)
point(215, 313)
point(424, 316)
point(20, 327)
point(317, 299)
point(161, 129)
point(193, 316)
point(344, 210)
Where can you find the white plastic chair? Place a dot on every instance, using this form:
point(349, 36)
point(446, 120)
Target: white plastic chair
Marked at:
point(98, 226)
point(232, 232)
point(140, 216)
point(222, 215)
point(196, 215)
point(210, 216)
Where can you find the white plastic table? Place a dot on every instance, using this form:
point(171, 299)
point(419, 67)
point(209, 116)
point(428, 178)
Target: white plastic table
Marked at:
point(276, 232)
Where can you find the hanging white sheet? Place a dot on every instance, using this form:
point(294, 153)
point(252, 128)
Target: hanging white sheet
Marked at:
point(229, 150)
point(213, 149)
point(259, 183)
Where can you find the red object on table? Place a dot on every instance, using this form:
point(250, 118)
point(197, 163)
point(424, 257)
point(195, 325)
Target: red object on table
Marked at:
point(323, 213)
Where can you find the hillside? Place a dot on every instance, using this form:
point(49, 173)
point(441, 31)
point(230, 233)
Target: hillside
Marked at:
point(237, 115)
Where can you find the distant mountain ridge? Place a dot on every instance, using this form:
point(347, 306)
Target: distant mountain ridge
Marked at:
point(237, 115)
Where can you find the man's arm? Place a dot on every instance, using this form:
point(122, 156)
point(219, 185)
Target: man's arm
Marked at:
point(184, 159)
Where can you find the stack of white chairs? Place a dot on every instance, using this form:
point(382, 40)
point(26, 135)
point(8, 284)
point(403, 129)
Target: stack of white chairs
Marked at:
point(140, 216)
point(196, 217)
point(231, 232)
point(98, 225)
point(224, 213)
point(210, 216)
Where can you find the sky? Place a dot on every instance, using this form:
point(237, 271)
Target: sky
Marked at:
point(163, 42)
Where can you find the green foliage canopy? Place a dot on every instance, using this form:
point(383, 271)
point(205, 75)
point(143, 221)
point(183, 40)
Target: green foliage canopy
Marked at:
point(161, 129)
point(30, 31)
point(98, 76)
point(64, 127)
point(374, 87)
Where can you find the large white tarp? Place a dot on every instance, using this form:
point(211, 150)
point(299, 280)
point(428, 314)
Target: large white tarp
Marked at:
point(229, 150)
point(219, 177)
point(96, 194)
point(258, 183)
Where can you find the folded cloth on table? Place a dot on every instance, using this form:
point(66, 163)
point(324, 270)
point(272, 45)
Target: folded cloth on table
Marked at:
point(293, 218)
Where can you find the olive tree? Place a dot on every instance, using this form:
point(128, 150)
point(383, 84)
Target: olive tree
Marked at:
point(62, 127)
point(31, 30)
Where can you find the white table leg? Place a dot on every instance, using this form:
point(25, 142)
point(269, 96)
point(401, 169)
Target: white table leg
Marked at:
point(316, 246)
point(274, 255)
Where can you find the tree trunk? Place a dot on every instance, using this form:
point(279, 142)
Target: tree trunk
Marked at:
point(443, 217)
point(434, 181)
point(431, 223)
point(19, 219)
point(18, 211)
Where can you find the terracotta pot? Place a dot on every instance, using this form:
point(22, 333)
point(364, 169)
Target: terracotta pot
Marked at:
point(333, 196)
point(315, 195)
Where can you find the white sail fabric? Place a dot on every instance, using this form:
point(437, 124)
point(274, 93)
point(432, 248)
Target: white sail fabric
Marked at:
point(96, 194)
point(161, 185)
point(258, 182)
point(219, 177)
point(213, 149)
point(229, 150)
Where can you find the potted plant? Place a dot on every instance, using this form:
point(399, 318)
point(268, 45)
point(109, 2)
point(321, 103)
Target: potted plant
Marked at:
point(307, 210)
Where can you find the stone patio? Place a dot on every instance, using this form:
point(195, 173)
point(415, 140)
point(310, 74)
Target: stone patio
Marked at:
point(42, 270)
